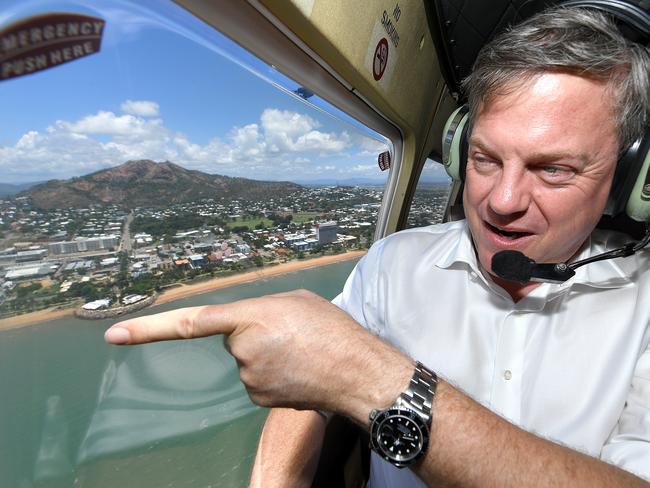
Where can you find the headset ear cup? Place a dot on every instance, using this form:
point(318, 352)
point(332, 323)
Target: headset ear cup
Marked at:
point(463, 150)
point(638, 203)
point(454, 148)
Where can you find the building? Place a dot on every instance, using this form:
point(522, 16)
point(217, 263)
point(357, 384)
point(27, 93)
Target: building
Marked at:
point(97, 304)
point(65, 247)
point(292, 239)
point(109, 262)
point(312, 243)
point(196, 260)
point(32, 255)
point(185, 235)
point(30, 272)
point(83, 244)
point(243, 248)
point(305, 245)
point(202, 247)
point(326, 232)
point(131, 299)
point(79, 265)
point(182, 263)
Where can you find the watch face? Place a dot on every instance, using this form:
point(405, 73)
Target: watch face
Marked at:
point(399, 435)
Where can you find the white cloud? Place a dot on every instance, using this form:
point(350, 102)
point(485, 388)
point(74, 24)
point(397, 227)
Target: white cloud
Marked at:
point(281, 141)
point(363, 168)
point(370, 147)
point(291, 131)
point(28, 140)
point(247, 141)
point(107, 123)
point(143, 108)
point(433, 170)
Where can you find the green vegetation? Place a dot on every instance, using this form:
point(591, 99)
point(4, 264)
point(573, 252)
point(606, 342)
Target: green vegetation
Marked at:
point(146, 183)
point(250, 222)
point(302, 217)
point(88, 291)
point(173, 224)
point(31, 297)
point(25, 290)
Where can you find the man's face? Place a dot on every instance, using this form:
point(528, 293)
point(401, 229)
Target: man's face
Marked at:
point(539, 169)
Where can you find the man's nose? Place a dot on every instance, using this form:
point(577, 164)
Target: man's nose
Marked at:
point(510, 193)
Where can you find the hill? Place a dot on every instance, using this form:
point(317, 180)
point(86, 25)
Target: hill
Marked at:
point(146, 183)
point(9, 189)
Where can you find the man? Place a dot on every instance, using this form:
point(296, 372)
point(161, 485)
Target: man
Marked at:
point(540, 384)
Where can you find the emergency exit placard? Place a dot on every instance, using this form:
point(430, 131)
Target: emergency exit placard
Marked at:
point(45, 41)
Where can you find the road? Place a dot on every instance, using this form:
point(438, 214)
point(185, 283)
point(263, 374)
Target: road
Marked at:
point(125, 243)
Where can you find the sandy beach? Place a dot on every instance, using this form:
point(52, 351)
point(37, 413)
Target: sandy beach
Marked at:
point(185, 290)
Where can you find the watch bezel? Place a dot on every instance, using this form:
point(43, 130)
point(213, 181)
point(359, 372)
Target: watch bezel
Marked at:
point(378, 420)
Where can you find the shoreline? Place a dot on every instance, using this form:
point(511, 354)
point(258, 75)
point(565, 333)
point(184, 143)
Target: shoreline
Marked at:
point(187, 290)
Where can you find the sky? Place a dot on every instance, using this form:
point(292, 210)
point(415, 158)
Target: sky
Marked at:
point(166, 87)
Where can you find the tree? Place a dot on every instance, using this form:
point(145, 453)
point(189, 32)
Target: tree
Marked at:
point(85, 290)
point(24, 291)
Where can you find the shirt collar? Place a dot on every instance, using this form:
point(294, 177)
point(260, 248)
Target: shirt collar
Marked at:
point(461, 252)
point(600, 274)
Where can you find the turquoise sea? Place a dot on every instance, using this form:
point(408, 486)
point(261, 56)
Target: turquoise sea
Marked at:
point(76, 412)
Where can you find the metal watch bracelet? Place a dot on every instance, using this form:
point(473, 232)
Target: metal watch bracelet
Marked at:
point(419, 394)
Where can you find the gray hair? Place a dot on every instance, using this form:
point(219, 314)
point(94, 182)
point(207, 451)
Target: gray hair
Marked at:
point(567, 39)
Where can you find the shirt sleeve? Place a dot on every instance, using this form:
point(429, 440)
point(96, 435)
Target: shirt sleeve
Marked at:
point(360, 295)
point(629, 445)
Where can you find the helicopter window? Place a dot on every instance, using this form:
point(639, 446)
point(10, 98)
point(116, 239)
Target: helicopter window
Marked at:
point(123, 184)
point(430, 197)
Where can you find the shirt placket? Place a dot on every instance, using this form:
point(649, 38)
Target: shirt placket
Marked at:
point(508, 372)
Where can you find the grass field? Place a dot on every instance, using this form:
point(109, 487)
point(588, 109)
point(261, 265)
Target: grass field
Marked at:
point(301, 217)
point(249, 222)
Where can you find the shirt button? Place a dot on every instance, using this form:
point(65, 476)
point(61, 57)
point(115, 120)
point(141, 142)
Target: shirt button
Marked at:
point(507, 374)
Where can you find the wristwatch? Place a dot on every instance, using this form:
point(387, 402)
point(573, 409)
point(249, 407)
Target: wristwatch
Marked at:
point(400, 434)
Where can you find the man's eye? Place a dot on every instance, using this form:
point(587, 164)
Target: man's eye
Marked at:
point(483, 162)
point(556, 173)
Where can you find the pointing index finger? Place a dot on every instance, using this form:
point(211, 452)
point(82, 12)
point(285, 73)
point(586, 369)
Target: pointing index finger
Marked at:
point(182, 323)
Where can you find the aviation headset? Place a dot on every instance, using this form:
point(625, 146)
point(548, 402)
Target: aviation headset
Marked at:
point(631, 186)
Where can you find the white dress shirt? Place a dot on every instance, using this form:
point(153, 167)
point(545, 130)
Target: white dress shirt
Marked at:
point(569, 362)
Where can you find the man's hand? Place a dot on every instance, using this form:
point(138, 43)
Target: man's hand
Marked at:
point(297, 350)
point(293, 349)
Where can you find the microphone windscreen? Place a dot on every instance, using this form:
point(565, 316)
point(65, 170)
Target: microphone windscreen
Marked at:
point(512, 266)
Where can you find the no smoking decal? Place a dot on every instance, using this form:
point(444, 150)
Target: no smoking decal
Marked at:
point(383, 47)
point(380, 59)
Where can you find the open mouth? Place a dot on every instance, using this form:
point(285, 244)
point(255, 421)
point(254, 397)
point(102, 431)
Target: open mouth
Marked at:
point(511, 235)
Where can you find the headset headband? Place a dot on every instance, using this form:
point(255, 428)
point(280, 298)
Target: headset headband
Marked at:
point(631, 185)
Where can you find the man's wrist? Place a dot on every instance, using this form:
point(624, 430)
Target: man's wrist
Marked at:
point(400, 433)
point(374, 383)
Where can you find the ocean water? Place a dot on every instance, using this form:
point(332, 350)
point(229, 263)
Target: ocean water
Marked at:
point(76, 412)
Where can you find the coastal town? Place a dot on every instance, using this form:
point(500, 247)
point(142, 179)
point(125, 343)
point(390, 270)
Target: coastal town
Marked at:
point(105, 258)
